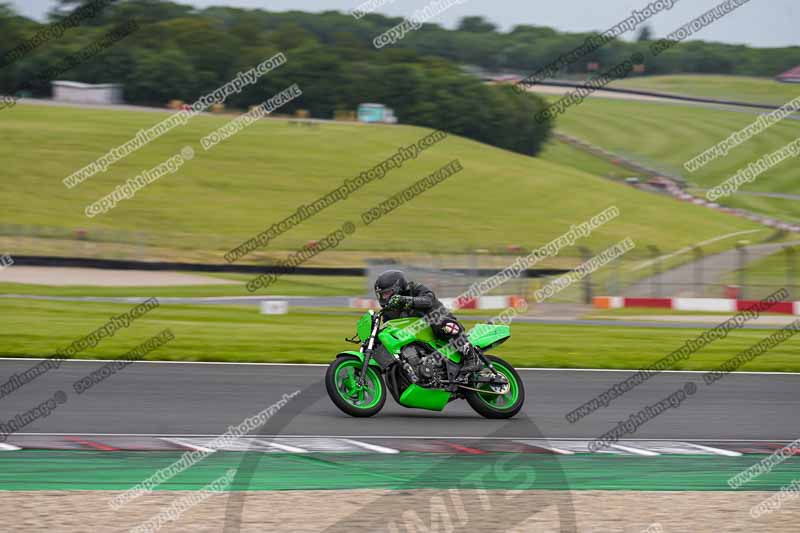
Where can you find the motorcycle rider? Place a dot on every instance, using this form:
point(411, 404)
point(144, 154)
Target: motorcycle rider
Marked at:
point(400, 298)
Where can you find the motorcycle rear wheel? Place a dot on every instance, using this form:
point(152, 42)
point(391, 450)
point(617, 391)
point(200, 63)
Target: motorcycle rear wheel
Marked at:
point(503, 405)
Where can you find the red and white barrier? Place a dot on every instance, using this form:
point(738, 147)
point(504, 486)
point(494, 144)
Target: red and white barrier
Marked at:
point(721, 305)
point(481, 302)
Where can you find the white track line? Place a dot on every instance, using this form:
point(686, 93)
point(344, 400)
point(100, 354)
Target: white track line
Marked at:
point(8, 447)
point(371, 447)
point(716, 451)
point(325, 365)
point(189, 445)
point(635, 451)
point(282, 447)
point(545, 447)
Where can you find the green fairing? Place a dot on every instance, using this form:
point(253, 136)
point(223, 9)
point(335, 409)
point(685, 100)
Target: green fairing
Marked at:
point(364, 327)
point(422, 398)
point(487, 335)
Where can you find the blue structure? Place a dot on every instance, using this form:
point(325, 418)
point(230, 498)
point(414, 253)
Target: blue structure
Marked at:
point(376, 113)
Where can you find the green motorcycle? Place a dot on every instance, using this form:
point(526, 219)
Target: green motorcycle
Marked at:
point(420, 371)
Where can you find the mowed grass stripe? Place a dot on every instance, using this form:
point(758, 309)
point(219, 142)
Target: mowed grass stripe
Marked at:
point(736, 88)
point(673, 134)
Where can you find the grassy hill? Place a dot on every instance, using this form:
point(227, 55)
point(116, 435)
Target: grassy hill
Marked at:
point(740, 88)
point(263, 173)
point(667, 135)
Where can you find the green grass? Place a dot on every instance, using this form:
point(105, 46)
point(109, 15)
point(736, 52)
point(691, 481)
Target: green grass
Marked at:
point(262, 174)
point(738, 88)
point(216, 333)
point(787, 208)
point(285, 286)
point(665, 136)
point(565, 154)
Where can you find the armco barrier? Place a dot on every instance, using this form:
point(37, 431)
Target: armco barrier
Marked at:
point(116, 264)
point(481, 302)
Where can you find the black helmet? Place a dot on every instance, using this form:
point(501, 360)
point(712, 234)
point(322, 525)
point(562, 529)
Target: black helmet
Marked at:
point(388, 284)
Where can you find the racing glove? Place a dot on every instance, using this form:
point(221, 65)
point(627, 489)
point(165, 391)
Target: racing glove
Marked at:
point(400, 302)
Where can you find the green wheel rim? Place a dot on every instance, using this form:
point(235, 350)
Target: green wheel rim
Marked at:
point(502, 402)
point(346, 379)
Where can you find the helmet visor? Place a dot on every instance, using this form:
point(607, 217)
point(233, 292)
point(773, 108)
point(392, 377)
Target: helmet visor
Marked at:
point(385, 295)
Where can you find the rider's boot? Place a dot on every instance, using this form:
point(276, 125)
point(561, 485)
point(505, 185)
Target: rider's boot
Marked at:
point(470, 362)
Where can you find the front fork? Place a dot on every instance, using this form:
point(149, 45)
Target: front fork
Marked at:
point(368, 351)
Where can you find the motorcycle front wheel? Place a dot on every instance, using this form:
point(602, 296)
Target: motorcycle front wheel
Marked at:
point(341, 381)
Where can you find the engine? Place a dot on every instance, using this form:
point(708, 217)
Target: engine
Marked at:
point(422, 364)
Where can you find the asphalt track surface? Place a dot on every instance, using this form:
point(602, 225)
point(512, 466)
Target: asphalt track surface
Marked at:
point(204, 399)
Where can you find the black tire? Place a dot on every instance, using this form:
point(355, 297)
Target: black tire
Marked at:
point(485, 407)
point(337, 396)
